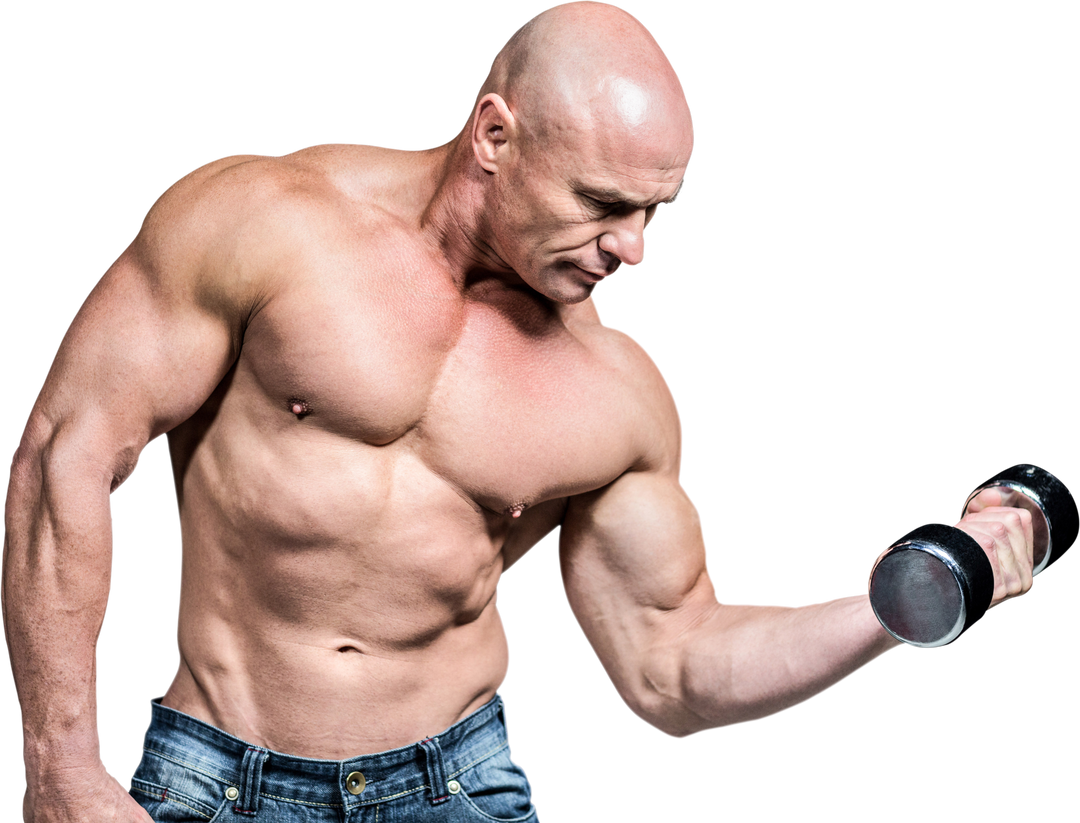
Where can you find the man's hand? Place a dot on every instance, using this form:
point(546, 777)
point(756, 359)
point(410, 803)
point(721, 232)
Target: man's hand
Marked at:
point(1007, 537)
point(75, 796)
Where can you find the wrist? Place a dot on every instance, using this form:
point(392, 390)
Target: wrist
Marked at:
point(71, 752)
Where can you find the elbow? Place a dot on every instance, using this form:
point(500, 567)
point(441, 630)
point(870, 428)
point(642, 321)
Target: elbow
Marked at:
point(52, 488)
point(680, 692)
point(69, 453)
point(26, 472)
point(673, 717)
point(663, 699)
point(35, 460)
point(681, 718)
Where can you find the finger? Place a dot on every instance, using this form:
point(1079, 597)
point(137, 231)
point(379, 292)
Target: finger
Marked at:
point(987, 498)
point(1028, 525)
point(1006, 535)
point(1011, 531)
point(1020, 526)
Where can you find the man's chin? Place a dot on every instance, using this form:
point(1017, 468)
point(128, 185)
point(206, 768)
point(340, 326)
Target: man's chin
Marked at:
point(569, 293)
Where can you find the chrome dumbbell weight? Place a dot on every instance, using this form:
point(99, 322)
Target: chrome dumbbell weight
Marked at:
point(933, 583)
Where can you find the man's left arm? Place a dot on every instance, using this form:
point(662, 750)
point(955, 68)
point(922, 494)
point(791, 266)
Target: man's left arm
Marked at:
point(633, 563)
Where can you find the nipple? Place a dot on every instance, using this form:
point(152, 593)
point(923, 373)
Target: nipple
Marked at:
point(516, 510)
point(299, 407)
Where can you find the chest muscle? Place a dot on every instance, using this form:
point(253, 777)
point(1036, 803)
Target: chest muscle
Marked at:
point(509, 414)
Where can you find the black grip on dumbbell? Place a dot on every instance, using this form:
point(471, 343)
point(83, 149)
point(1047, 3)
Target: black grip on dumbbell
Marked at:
point(931, 585)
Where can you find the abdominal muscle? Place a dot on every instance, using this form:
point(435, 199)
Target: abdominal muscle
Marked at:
point(330, 614)
point(303, 694)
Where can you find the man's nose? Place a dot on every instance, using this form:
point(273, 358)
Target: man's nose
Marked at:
point(625, 237)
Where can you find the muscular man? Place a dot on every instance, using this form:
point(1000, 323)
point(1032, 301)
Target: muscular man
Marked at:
point(383, 380)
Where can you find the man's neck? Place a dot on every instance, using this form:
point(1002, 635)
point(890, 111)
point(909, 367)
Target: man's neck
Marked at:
point(455, 218)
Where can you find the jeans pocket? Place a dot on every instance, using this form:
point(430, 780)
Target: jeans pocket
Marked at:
point(172, 791)
point(497, 789)
point(169, 805)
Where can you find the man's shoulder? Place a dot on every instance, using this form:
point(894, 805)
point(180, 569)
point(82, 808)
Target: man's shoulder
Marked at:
point(248, 216)
point(645, 405)
point(319, 182)
point(614, 349)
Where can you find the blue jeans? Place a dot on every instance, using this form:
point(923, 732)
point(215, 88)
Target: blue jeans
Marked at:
point(192, 772)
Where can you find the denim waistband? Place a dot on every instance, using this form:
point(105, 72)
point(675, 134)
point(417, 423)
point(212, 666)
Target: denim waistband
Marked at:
point(426, 765)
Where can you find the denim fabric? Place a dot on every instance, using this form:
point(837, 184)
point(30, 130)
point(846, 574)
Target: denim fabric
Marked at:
point(192, 772)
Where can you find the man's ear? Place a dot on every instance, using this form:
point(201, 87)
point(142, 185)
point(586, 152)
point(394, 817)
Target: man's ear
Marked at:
point(493, 126)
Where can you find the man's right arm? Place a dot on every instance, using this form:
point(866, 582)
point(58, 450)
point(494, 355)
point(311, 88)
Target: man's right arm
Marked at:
point(147, 348)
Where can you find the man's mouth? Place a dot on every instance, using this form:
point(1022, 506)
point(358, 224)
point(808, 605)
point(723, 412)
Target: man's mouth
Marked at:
point(597, 276)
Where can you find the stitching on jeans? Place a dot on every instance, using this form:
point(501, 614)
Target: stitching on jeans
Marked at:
point(199, 812)
point(301, 802)
point(480, 759)
point(391, 796)
point(185, 764)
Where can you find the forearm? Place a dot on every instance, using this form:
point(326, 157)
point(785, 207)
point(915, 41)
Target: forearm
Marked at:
point(739, 663)
point(55, 585)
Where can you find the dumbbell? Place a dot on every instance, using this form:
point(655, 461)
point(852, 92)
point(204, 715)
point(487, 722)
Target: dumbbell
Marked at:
point(935, 582)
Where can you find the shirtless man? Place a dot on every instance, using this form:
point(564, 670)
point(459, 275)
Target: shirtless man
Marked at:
point(383, 381)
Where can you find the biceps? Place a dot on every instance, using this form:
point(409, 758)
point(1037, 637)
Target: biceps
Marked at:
point(634, 551)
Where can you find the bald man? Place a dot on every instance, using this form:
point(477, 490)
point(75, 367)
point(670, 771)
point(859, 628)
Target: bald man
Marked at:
point(383, 380)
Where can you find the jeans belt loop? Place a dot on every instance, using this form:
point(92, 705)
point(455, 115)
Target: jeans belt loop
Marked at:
point(436, 770)
point(251, 780)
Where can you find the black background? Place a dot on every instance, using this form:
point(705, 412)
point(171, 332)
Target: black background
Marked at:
point(859, 302)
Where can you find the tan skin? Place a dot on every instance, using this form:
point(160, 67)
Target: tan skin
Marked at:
point(383, 381)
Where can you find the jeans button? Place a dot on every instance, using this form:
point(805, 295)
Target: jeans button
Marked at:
point(453, 786)
point(355, 782)
point(232, 793)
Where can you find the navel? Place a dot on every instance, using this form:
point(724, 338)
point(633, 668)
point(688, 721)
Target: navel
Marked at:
point(299, 407)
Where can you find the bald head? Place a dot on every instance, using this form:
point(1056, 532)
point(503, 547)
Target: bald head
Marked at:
point(580, 132)
point(588, 66)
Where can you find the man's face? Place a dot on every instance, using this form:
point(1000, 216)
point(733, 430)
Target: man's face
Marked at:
point(574, 205)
